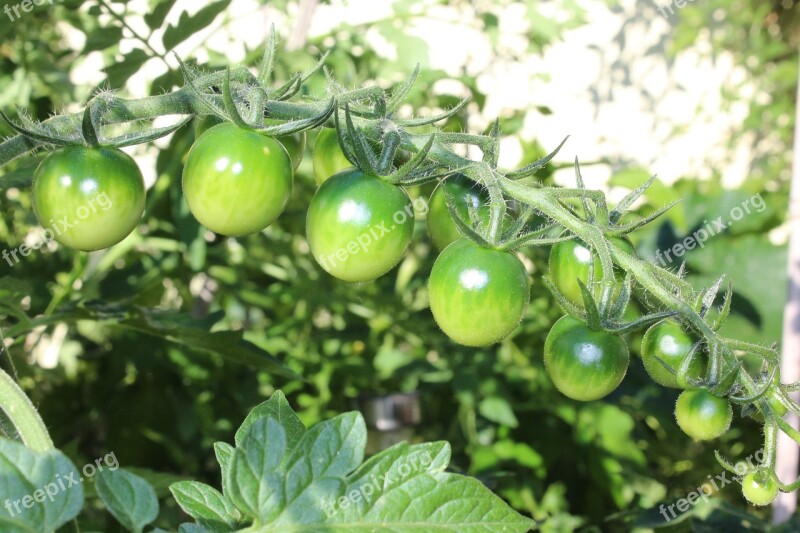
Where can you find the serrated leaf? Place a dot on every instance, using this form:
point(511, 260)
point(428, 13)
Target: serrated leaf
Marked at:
point(205, 504)
point(155, 17)
point(224, 452)
point(189, 25)
point(119, 71)
point(128, 497)
point(45, 489)
point(255, 480)
point(278, 408)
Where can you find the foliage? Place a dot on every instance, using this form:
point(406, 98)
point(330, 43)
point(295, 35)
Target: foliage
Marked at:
point(212, 310)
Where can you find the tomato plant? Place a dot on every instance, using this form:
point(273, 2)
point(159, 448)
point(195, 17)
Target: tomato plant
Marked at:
point(358, 226)
point(701, 415)
point(327, 157)
point(670, 343)
point(477, 295)
point(584, 364)
point(88, 198)
point(236, 181)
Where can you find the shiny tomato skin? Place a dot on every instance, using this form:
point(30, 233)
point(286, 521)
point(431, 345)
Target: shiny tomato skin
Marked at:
point(477, 295)
point(358, 226)
point(572, 260)
point(701, 415)
point(584, 364)
point(327, 157)
point(668, 341)
point(89, 198)
point(236, 181)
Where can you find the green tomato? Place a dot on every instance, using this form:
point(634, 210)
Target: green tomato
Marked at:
point(358, 226)
point(328, 158)
point(572, 260)
point(88, 198)
point(701, 415)
point(465, 193)
point(668, 341)
point(295, 145)
point(236, 181)
point(477, 295)
point(584, 364)
point(760, 487)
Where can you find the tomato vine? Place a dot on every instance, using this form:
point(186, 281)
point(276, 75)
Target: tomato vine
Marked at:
point(372, 137)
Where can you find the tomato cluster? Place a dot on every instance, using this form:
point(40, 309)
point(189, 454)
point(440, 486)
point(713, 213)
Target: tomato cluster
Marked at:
point(238, 181)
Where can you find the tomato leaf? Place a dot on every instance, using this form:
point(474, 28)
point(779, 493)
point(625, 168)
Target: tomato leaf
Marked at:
point(30, 490)
point(206, 505)
point(128, 497)
point(189, 25)
point(284, 475)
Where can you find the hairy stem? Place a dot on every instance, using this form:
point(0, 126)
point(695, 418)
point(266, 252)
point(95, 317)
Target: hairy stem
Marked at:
point(23, 415)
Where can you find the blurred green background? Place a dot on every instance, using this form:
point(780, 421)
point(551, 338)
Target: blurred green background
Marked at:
point(97, 344)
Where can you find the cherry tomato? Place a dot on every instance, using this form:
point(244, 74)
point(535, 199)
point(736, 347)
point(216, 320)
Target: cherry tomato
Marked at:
point(328, 158)
point(759, 487)
point(88, 198)
point(477, 295)
point(359, 226)
point(572, 260)
point(584, 364)
point(668, 341)
point(701, 415)
point(237, 181)
point(295, 143)
point(465, 193)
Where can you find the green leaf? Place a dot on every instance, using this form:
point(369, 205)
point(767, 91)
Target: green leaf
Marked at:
point(40, 492)
point(278, 408)
point(254, 483)
point(206, 505)
point(119, 71)
point(102, 39)
point(155, 18)
point(498, 410)
point(224, 453)
point(189, 25)
point(128, 497)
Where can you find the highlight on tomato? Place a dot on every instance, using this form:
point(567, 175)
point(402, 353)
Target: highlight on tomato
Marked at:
point(88, 198)
point(584, 364)
point(237, 181)
point(760, 487)
point(701, 415)
point(477, 295)
point(358, 226)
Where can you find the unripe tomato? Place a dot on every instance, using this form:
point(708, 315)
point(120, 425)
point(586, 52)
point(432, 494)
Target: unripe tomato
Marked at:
point(668, 341)
point(583, 363)
point(358, 226)
point(572, 260)
point(477, 295)
point(328, 158)
point(465, 193)
point(760, 487)
point(295, 143)
point(89, 198)
point(701, 415)
point(236, 181)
